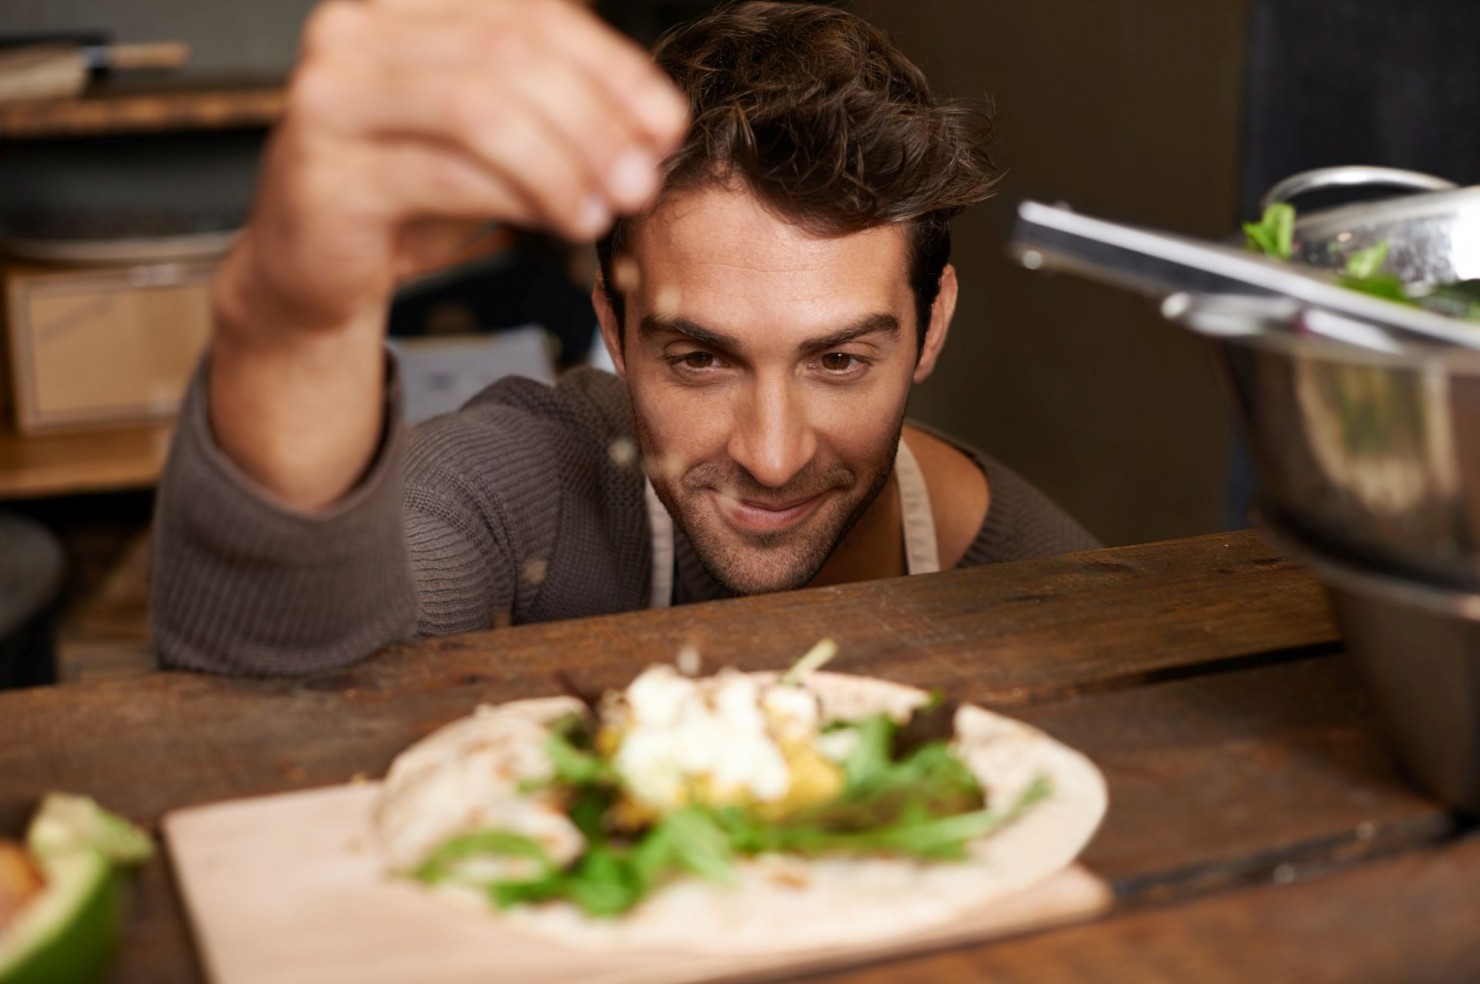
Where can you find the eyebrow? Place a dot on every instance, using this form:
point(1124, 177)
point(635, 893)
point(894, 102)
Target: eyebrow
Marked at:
point(653, 324)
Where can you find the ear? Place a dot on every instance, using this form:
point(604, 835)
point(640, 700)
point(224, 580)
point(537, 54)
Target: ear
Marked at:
point(611, 332)
point(941, 313)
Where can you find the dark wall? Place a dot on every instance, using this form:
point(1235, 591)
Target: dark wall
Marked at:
point(1123, 108)
point(1362, 81)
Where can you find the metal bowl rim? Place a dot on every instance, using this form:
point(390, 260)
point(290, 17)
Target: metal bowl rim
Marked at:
point(1411, 207)
point(1346, 576)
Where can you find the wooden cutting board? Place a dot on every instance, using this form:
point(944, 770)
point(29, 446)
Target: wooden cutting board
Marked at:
point(290, 888)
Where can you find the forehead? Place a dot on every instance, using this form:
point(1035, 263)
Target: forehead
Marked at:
point(722, 259)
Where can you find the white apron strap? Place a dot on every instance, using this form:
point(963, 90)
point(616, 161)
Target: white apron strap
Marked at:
point(921, 554)
point(661, 525)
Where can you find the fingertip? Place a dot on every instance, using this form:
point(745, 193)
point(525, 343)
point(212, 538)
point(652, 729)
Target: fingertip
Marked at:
point(593, 219)
point(633, 178)
point(666, 113)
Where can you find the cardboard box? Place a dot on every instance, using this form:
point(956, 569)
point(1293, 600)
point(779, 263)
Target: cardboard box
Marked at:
point(90, 346)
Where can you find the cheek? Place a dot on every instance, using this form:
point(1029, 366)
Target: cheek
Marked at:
point(676, 423)
point(859, 425)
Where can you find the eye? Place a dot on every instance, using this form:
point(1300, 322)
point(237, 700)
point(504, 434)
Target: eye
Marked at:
point(695, 365)
point(837, 361)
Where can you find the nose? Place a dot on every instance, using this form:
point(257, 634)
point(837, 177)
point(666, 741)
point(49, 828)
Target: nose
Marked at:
point(772, 438)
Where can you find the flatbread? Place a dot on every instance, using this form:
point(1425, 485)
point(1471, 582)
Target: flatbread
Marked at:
point(786, 903)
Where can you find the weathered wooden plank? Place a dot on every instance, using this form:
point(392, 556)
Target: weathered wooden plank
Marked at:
point(1222, 779)
point(1409, 918)
point(1009, 635)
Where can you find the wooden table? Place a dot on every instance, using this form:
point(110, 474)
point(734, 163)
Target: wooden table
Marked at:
point(1258, 829)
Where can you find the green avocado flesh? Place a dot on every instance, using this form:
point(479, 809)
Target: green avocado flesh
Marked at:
point(67, 932)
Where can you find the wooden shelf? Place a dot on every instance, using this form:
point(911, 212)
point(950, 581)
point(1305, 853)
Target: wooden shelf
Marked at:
point(109, 460)
point(198, 103)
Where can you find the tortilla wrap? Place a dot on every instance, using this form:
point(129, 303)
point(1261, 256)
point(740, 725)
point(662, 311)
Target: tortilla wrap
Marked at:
point(778, 903)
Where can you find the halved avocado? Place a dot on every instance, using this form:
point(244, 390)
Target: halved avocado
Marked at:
point(67, 932)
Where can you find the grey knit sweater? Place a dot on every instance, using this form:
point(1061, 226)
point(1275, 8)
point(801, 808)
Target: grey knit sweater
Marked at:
point(514, 509)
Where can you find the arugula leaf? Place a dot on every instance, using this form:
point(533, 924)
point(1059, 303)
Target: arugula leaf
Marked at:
point(1383, 285)
point(609, 879)
point(1274, 233)
point(916, 831)
point(868, 763)
point(576, 766)
point(587, 808)
point(441, 863)
point(935, 720)
point(1363, 273)
point(698, 844)
point(1460, 299)
point(506, 894)
point(604, 882)
point(1364, 263)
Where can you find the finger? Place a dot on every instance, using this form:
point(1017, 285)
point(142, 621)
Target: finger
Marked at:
point(491, 32)
point(621, 67)
point(619, 159)
point(595, 128)
point(425, 178)
point(497, 128)
point(617, 143)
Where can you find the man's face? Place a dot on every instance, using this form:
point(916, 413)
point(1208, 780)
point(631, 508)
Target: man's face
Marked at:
point(769, 370)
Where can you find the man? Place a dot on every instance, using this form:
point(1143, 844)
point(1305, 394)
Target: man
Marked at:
point(775, 283)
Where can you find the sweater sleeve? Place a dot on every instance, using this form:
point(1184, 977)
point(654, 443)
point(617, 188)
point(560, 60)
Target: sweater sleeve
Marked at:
point(1022, 523)
point(245, 585)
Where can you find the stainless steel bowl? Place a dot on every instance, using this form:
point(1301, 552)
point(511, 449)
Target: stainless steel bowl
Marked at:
point(1418, 650)
point(1370, 456)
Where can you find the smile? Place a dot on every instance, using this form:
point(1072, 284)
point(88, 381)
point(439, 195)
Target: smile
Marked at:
point(765, 517)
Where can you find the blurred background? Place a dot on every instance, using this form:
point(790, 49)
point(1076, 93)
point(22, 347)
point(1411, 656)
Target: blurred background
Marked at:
point(116, 200)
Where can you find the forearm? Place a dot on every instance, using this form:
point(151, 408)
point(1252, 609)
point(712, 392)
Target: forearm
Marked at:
point(299, 412)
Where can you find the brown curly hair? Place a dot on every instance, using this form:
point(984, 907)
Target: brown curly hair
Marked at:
point(818, 114)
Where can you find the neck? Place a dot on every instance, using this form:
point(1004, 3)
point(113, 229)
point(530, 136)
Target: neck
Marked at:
point(873, 548)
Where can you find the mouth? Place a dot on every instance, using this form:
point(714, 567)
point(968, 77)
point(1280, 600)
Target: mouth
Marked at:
point(752, 516)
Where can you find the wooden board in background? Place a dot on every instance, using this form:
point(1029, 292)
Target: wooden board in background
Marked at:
point(190, 103)
point(105, 460)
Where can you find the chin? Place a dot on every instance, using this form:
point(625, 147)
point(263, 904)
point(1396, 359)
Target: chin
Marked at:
point(745, 580)
point(764, 564)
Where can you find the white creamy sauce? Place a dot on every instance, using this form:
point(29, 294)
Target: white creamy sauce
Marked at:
point(722, 731)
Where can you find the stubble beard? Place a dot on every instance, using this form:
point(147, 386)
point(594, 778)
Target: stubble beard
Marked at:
point(757, 563)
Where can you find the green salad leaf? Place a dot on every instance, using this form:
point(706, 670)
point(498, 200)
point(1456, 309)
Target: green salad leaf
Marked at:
point(441, 866)
point(574, 760)
point(1460, 299)
point(1274, 233)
